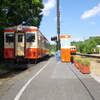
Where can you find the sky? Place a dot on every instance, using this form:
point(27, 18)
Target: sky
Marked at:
point(78, 18)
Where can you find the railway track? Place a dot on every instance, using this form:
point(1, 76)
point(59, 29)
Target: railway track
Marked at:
point(89, 55)
point(11, 73)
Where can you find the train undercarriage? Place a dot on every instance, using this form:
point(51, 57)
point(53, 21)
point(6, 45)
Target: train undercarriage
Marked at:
point(21, 62)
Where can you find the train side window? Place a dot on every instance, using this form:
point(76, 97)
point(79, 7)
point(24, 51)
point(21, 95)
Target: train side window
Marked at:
point(20, 38)
point(30, 37)
point(9, 38)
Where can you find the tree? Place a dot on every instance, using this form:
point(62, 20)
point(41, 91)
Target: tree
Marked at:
point(95, 50)
point(28, 11)
point(96, 39)
point(3, 23)
point(90, 44)
point(3, 15)
point(77, 44)
point(81, 47)
point(53, 48)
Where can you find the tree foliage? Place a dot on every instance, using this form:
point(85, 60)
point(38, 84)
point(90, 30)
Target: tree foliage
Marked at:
point(88, 45)
point(53, 48)
point(81, 47)
point(18, 11)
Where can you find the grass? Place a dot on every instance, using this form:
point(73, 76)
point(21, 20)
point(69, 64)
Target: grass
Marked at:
point(52, 52)
point(3, 66)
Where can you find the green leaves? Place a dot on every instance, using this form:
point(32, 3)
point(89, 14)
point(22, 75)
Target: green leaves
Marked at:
point(88, 45)
point(18, 11)
point(86, 62)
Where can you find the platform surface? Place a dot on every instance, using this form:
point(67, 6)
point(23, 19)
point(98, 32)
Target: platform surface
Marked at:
point(51, 80)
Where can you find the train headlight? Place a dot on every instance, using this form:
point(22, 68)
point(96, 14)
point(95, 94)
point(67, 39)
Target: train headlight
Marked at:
point(19, 27)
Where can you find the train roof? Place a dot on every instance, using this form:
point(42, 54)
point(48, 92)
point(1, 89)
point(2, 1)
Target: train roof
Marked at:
point(25, 28)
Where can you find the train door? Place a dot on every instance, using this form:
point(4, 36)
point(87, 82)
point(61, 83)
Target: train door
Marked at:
point(19, 44)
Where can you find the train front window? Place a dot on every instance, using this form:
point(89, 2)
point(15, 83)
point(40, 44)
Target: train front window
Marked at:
point(9, 38)
point(20, 38)
point(30, 37)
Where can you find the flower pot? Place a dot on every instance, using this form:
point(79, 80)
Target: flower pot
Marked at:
point(79, 65)
point(85, 69)
point(74, 63)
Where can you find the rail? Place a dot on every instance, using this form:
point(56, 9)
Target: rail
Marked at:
point(89, 55)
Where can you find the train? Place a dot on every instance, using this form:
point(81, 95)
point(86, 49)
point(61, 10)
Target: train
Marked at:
point(24, 45)
point(72, 50)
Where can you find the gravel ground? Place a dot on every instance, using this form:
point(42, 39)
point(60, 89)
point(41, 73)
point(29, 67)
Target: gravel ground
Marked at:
point(95, 65)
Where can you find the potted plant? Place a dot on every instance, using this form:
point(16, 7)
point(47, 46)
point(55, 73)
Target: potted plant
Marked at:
point(78, 61)
point(75, 60)
point(85, 68)
point(72, 58)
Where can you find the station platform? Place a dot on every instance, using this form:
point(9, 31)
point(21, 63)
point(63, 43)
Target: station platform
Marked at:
point(78, 86)
point(51, 80)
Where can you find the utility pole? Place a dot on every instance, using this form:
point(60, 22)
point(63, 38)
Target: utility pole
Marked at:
point(58, 26)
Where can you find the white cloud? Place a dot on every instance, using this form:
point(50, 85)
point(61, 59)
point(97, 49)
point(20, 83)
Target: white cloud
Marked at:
point(93, 23)
point(89, 13)
point(77, 39)
point(48, 6)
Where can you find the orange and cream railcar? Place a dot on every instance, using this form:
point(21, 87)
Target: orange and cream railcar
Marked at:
point(72, 50)
point(24, 45)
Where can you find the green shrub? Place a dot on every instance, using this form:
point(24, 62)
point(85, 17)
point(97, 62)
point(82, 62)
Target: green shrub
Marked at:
point(75, 58)
point(71, 56)
point(78, 59)
point(86, 62)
